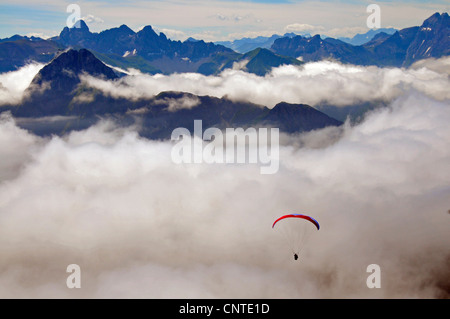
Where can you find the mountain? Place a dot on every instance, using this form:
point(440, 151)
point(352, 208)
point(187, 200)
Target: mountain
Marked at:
point(52, 89)
point(290, 117)
point(391, 51)
point(147, 50)
point(17, 51)
point(316, 49)
point(363, 38)
point(58, 102)
point(245, 45)
point(402, 48)
point(432, 40)
point(19, 37)
point(260, 61)
point(154, 53)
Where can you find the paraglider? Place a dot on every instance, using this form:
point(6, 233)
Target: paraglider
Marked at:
point(296, 229)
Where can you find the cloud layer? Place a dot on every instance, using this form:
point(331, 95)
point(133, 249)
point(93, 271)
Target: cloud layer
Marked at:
point(313, 83)
point(141, 226)
point(13, 84)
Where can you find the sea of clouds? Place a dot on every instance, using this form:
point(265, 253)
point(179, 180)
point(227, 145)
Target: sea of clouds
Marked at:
point(140, 225)
point(313, 83)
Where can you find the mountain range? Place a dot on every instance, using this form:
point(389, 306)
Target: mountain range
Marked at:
point(401, 49)
point(363, 38)
point(153, 53)
point(57, 101)
point(245, 45)
point(248, 44)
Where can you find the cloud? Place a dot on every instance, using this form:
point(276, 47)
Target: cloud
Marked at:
point(141, 226)
point(183, 102)
point(172, 34)
point(346, 31)
point(233, 17)
point(312, 83)
point(42, 35)
point(13, 84)
point(15, 155)
point(303, 27)
point(92, 19)
point(437, 65)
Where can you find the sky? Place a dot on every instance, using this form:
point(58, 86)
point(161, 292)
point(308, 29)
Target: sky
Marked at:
point(214, 20)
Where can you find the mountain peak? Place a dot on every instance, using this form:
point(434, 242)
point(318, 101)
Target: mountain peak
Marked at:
point(432, 39)
point(436, 18)
point(55, 85)
point(72, 63)
point(79, 32)
point(148, 30)
point(124, 27)
point(191, 39)
point(81, 25)
point(62, 73)
point(298, 117)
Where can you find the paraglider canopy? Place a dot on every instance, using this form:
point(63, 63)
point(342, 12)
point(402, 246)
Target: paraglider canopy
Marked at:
point(296, 229)
point(312, 220)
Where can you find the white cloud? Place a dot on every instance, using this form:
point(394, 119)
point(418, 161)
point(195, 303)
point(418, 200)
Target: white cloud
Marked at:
point(183, 102)
point(302, 27)
point(437, 65)
point(312, 83)
point(92, 19)
point(346, 31)
point(232, 18)
point(141, 226)
point(42, 35)
point(172, 34)
point(13, 84)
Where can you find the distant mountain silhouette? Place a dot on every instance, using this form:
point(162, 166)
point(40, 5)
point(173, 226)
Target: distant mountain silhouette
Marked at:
point(146, 49)
point(155, 53)
point(363, 38)
point(402, 48)
point(316, 49)
point(245, 45)
point(17, 51)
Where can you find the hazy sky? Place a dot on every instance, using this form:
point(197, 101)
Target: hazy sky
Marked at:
point(214, 20)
